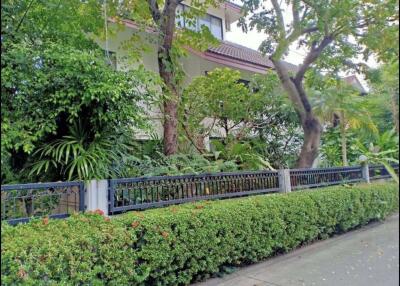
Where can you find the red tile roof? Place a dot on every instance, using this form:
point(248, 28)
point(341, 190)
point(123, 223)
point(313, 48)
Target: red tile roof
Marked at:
point(355, 82)
point(242, 53)
point(245, 54)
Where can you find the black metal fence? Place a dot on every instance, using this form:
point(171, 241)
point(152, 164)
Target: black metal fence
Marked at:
point(142, 193)
point(380, 172)
point(318, 177)
point(57, 200)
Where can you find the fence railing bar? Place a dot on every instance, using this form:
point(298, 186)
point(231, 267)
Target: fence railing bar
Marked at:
point(39, 186)
point(193, 199)
point(196, 176)
point(323, 184)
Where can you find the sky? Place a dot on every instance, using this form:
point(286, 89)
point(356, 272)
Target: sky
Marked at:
point(253, 39)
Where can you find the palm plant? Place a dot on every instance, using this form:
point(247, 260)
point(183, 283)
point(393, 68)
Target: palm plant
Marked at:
point(341, 104)
point(81, 156)
point(385, 151)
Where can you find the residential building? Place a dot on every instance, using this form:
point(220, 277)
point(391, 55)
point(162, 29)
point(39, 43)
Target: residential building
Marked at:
point(355, 82)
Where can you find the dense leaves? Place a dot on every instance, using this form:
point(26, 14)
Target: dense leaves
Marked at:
point(256, 122)
point(181, 244)
point(54, 77)
point(334, 34)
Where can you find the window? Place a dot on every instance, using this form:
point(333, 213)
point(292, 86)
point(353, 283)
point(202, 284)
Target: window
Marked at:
point(204, 21)
point(214, 24)
point(216, 27)
point(179, 18)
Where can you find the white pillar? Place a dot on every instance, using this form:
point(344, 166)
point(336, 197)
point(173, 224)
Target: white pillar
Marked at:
point(284, 181)
point(365, 172)
point(96, 195)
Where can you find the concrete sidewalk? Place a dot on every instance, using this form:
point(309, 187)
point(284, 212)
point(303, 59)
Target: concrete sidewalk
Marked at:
point(365, 257)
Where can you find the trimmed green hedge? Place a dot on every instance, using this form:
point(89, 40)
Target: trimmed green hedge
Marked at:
point(181, 244)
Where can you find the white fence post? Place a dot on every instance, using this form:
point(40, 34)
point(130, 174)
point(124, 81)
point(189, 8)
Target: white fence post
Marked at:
point(284, 181)
point(365, 171)
point(96, 195)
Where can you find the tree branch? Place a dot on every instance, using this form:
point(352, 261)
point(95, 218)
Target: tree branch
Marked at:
point(155, 11)
point(303, 17)
point(309, 30)
point(312, 56)
point(295, 13)
point(290, 87)
point(23, 16)
point(279, 16)
point(189, 136)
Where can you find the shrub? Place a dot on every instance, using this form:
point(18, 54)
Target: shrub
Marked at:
point(181, 244)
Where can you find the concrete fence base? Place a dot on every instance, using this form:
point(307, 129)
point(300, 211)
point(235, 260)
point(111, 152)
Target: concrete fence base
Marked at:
point(284, 181)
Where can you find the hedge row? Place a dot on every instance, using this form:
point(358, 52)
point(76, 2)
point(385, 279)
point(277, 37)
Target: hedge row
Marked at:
point(182, 244)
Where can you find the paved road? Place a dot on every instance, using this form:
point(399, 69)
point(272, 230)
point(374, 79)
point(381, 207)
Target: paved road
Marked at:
point(364, 257)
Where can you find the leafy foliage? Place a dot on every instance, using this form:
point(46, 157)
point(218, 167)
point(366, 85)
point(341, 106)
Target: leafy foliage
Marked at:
point(334, 33)
point(242, 153)
point(331, 153)
point(53, 75)
point(256, 122)
point(219, 96)
point(338, 103)
point(384, 95)
point(63, 84)
point(161, 165)
point(276, 123)
point(189, 242)
point(76, 157)
point(385, 147)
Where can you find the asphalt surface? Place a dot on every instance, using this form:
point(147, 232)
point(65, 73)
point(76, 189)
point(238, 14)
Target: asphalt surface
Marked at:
point(365, 257)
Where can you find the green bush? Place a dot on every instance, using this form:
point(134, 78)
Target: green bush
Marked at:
point(182, 244)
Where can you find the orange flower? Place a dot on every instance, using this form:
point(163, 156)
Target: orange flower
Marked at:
point(46, 221)
point(22, 273)
point(135, 224)
point(199, 207)
point(100, 212)
point(106, 218)
point(164, 234)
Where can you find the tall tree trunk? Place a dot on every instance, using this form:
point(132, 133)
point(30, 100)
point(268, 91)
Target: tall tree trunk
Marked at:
point(395, 111)
point(343, 140)
point(170, 127)
point(312, 136)
point(166, 24)
point(310, 124)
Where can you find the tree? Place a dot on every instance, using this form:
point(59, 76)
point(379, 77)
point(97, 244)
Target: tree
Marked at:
point(55, 78)
point(170, 49)
point(332, 31)
point(385, 89)
point(223, 101)
point(46, 92)
point(78, 22)
point(256, 122)
point(383, 150)
point(337, 102)
point(276, 123)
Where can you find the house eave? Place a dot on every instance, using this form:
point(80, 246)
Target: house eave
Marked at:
point(230, 62)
